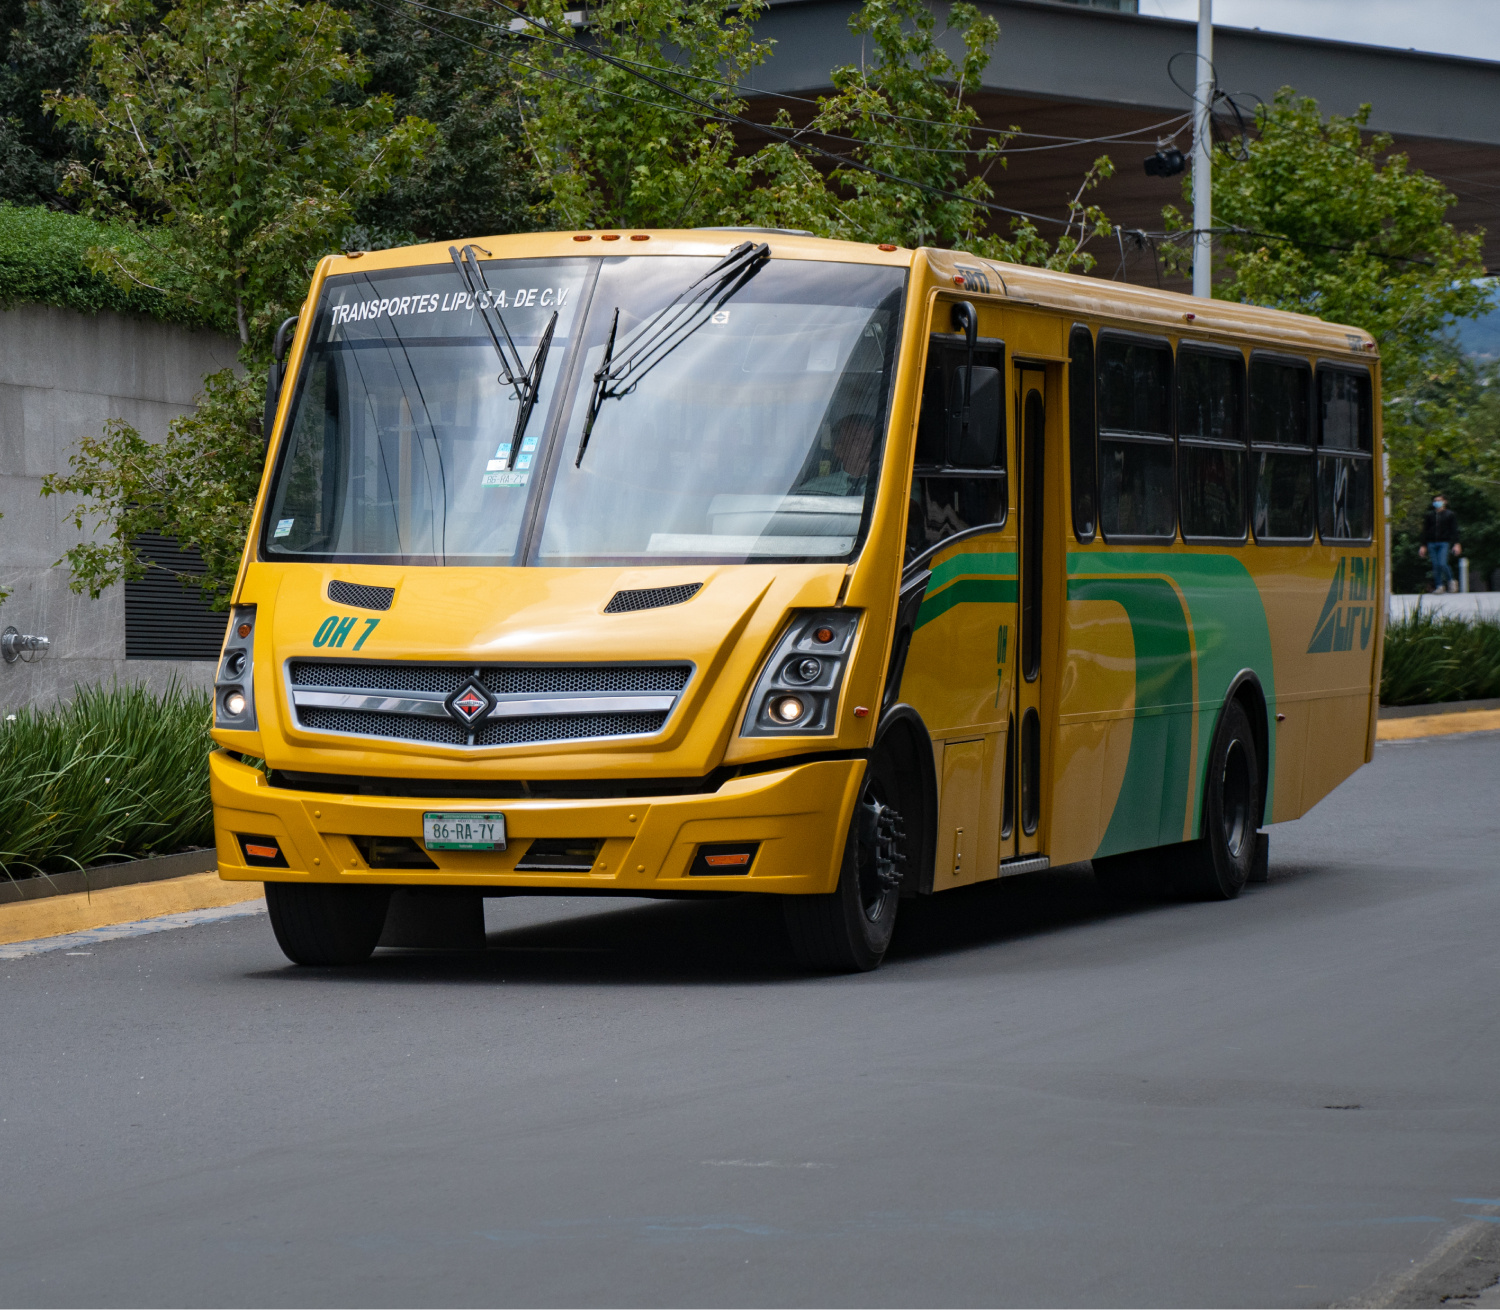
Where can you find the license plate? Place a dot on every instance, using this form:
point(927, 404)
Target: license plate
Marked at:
point(463, 832)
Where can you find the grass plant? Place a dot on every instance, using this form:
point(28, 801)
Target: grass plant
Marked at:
point(120, 772)
point(1431, 658)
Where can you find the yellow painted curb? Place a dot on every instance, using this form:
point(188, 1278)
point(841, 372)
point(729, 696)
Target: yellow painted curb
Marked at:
point(1435, 725)
point(56, 915)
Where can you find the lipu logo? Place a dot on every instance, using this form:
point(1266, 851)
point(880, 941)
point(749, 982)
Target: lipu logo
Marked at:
point(1346, 608)
point(470, 705)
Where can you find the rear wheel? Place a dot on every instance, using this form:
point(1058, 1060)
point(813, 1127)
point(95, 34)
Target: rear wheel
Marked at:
point(318, 923)
point(1217, 865)
point(849, 929)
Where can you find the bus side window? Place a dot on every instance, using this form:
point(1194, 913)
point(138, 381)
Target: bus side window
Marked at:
point(1281, 448)
point(1083, 433)
point(1211, 451)
point(958, 482)
point(1346, 461)
point(1137, 496)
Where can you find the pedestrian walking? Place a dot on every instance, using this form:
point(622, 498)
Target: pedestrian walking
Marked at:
point(1439, 541)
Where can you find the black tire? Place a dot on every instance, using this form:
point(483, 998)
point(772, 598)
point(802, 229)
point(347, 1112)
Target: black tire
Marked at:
point(848, 930)
point(317, 923)
point(1217, 865)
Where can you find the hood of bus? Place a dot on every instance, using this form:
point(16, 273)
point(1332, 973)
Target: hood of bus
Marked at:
point(518, 617)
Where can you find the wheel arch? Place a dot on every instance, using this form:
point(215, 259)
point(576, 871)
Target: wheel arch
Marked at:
point(1245, 687)
point(902, 733)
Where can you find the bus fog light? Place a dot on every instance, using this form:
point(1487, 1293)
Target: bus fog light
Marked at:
point(789, 709)
point(234, 704)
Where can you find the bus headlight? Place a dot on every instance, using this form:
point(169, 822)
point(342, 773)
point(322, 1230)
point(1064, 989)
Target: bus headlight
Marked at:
point(797, 693)
point(234, 687)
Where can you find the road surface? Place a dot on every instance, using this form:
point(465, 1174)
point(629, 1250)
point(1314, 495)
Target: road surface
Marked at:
point(1044, 1098)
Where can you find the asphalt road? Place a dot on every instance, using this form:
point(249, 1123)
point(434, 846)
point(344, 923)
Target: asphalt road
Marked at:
point(1044, 1098)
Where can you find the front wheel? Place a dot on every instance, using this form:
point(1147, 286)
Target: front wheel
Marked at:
point(848, 930)
point(319, 923)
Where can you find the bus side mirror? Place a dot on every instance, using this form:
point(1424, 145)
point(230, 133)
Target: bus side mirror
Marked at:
point(965, 320)
point(974, 435)
point(274, 380)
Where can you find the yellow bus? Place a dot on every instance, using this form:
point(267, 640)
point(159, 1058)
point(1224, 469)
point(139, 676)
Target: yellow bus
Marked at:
point(674, 563)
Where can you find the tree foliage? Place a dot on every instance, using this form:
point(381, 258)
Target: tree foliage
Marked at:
point(636, 123)
point(237, 128)
point(223, 122)
point(1320, 218)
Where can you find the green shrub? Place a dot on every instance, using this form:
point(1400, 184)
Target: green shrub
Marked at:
point(44, 261)
point(119, 773)
point(1431, 658)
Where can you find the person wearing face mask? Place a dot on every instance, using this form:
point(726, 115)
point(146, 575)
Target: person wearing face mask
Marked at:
point(1439, 540)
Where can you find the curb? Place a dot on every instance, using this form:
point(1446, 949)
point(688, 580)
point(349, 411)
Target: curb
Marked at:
point(56, 916)
point(102, 876)
point(1442, 707)
point(1407, 727)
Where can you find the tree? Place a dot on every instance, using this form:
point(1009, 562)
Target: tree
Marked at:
point(911, 161)
point(223, 122)
point(474, 178)
point(44, 44)
point(632, 126)
point(637, 125)
point(1315, 217)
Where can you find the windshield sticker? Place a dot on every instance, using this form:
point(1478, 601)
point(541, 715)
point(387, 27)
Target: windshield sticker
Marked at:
point(720, 317)
point(283, 528)
point(451, 302)
point(505, 478)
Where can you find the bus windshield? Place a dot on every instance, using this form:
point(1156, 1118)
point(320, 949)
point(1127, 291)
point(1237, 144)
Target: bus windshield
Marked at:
point(756, 437)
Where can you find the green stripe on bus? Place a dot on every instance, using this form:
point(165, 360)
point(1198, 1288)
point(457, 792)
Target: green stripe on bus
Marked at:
point(966, 591)
point(1216, 600)
point(987, 563)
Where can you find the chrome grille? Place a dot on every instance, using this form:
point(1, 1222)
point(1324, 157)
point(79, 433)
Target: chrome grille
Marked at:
point(404, 701)
point(567, 727)
point(399, 727)
point(586, 677)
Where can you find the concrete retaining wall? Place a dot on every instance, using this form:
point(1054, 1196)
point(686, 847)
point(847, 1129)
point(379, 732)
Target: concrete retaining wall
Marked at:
point(62, 375)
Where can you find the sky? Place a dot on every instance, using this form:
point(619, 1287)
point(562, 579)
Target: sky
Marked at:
point(1449, 27)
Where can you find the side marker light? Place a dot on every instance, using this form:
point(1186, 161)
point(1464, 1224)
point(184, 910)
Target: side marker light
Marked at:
point(823, 635)
point(861, 711)
point(243, 630)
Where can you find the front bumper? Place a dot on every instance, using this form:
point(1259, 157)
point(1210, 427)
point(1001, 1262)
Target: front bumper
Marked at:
point(799, 815)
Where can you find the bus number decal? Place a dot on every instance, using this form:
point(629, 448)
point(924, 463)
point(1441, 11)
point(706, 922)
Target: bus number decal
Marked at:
point(334, 630)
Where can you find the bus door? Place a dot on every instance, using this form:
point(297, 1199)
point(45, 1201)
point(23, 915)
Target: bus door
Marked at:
point(1021, 826)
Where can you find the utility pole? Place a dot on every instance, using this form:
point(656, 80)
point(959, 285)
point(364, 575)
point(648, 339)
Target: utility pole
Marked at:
point(1203, 209)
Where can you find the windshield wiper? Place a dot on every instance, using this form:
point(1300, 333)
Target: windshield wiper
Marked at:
point(524, 380)
point(667, 329)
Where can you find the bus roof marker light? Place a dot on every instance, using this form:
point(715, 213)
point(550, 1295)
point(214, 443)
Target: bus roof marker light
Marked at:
point(640, 236)
point(885, 245)
point(582, 236)
point(1189, 317)
point(610, 236)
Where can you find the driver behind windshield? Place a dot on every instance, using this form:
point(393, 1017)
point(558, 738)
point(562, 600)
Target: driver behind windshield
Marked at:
point(848, 472)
